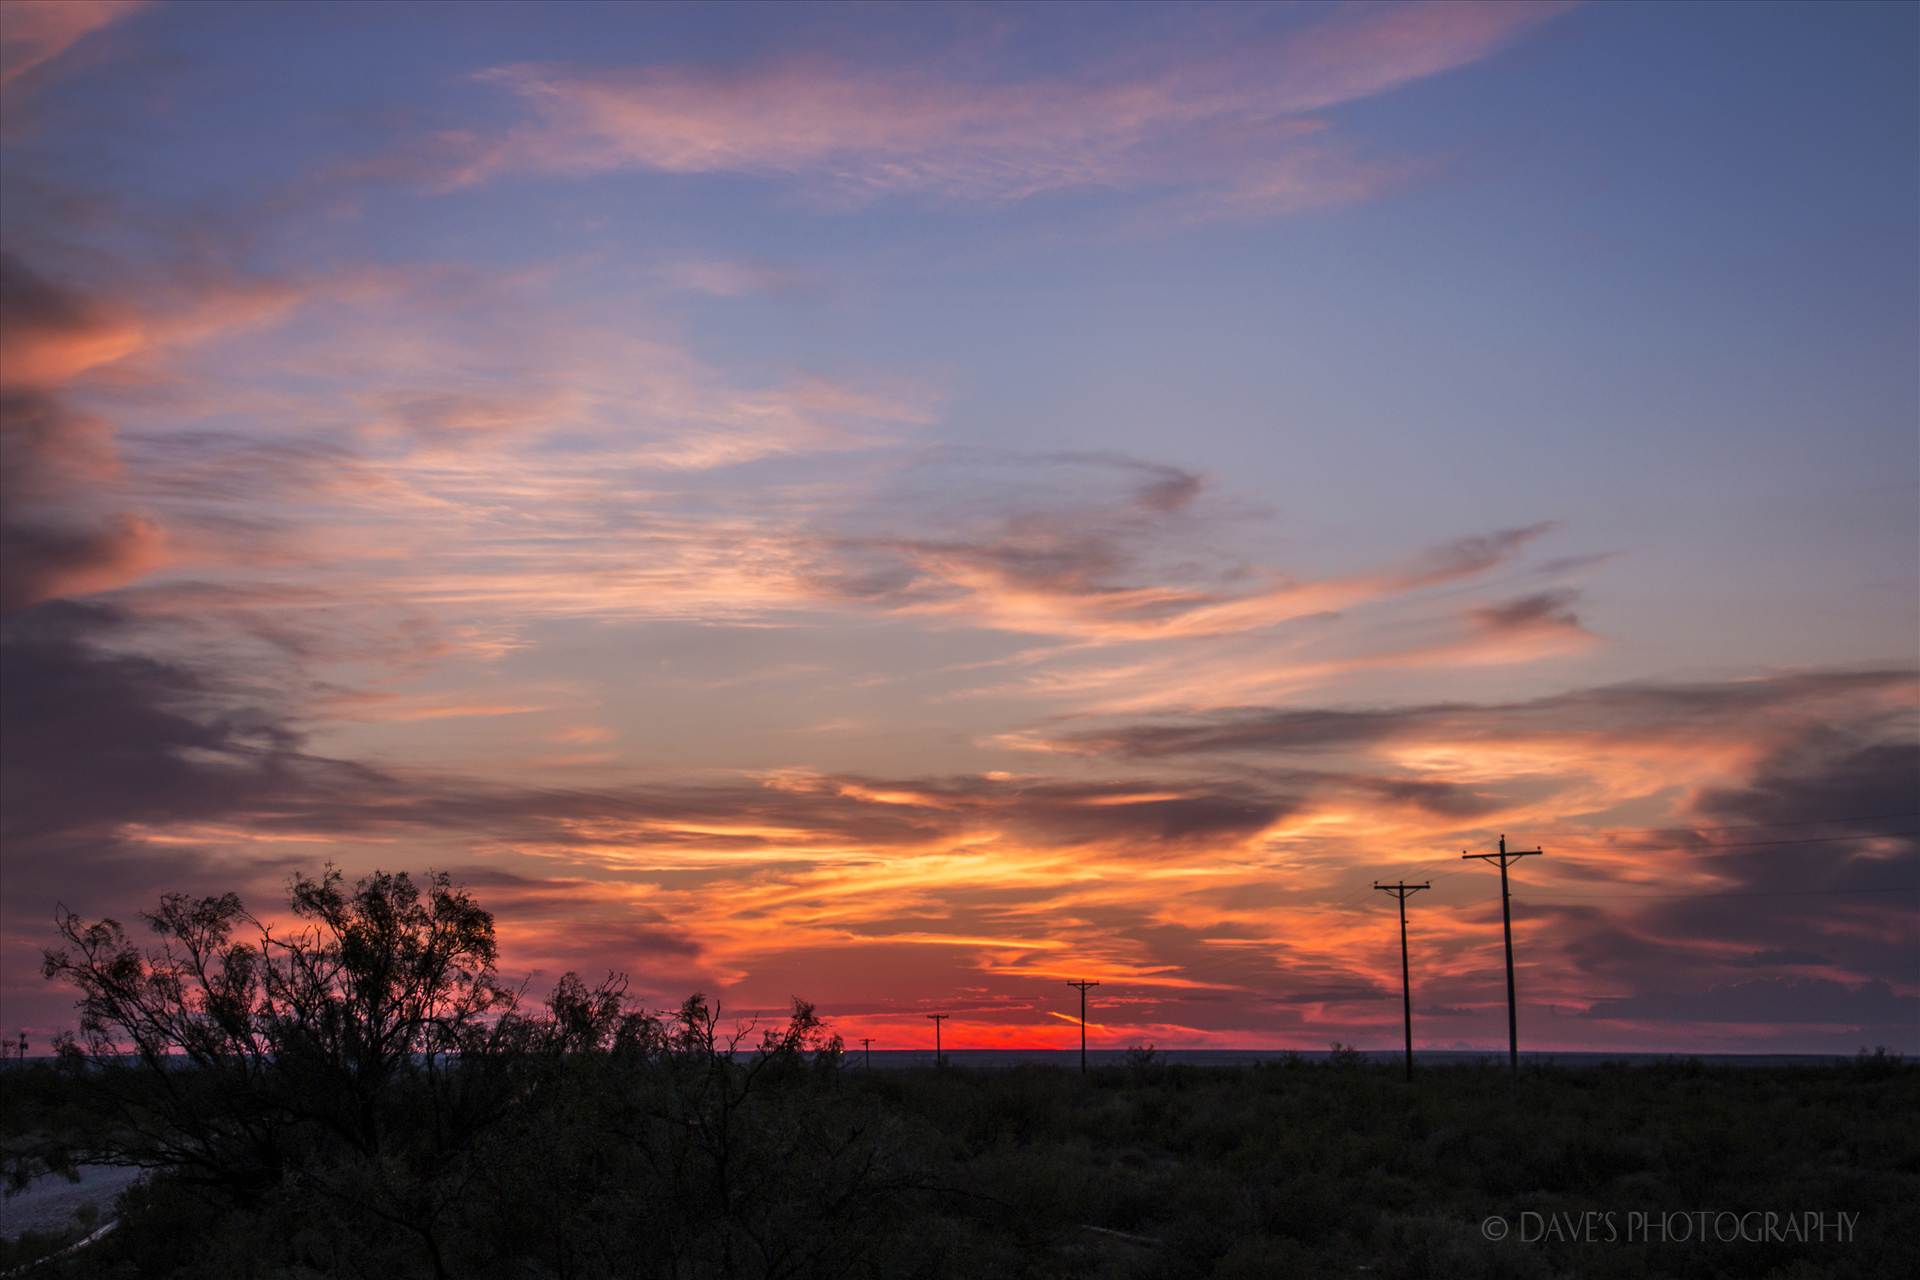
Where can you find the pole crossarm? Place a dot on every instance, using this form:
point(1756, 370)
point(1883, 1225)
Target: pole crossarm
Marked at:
point(1510, 853)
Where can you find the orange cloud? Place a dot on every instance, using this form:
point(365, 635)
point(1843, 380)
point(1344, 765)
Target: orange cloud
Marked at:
point(1202, 672)
point(401, 708)
point(53, 335)
point(51, 561)
point(63, 467)
point(1213, 912)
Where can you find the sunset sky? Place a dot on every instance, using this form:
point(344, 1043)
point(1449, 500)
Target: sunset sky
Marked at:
point(906, 506)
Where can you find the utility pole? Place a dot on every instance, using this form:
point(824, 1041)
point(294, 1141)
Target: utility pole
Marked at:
point(1083, 985)
point(1402, 892)
point(1506, 919)
point(866, 1042)
point(939, 1058)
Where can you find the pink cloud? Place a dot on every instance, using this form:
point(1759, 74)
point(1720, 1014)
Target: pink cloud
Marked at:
point(1365, 49)
point(1235, 125)
point(34, 33)
point(735, 278)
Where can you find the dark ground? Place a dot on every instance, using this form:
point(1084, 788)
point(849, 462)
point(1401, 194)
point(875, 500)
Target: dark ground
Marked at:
point(1306, 1168)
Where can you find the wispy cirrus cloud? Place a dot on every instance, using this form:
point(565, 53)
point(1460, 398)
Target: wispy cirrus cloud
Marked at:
point(987, 882)
point(315, 553)
point(34, 33)
point(507, 455)
point(1643, 710)
point(1093, 547)
point(562, 506)
point(737, 277)
point(1233, 668)
point(1233, 128)
point(73, 525)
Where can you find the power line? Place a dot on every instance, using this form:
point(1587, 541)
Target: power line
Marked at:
point(1504, 857)
point(1767, 893)
point(1756, 826)
point(1435, 870)
point(1750, 844)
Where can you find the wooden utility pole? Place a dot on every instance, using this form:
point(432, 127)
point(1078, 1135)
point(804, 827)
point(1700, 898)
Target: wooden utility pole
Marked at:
point(1506, 919)
point(866, 1042)
point(1083, 985)
point(1402, 892)
point(939, 1058)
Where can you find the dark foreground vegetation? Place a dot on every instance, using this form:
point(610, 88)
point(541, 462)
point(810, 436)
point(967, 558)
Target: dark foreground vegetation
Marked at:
point(360, 1097)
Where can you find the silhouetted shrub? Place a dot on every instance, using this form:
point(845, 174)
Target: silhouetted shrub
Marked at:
point(322, 1122)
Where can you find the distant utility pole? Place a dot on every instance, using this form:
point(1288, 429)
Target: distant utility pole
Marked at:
point(939, 1058)
point(866, 1042)
point(1402, 892)
point(1506, 919)
point(1083, 985)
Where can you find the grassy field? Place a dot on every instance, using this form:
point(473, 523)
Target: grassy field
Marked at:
point(1325, 1169)
point(1279, 1169)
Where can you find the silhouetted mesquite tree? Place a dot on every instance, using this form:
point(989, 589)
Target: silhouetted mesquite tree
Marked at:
point(356, 1092)
point(254, 1048)
point(366, 988)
